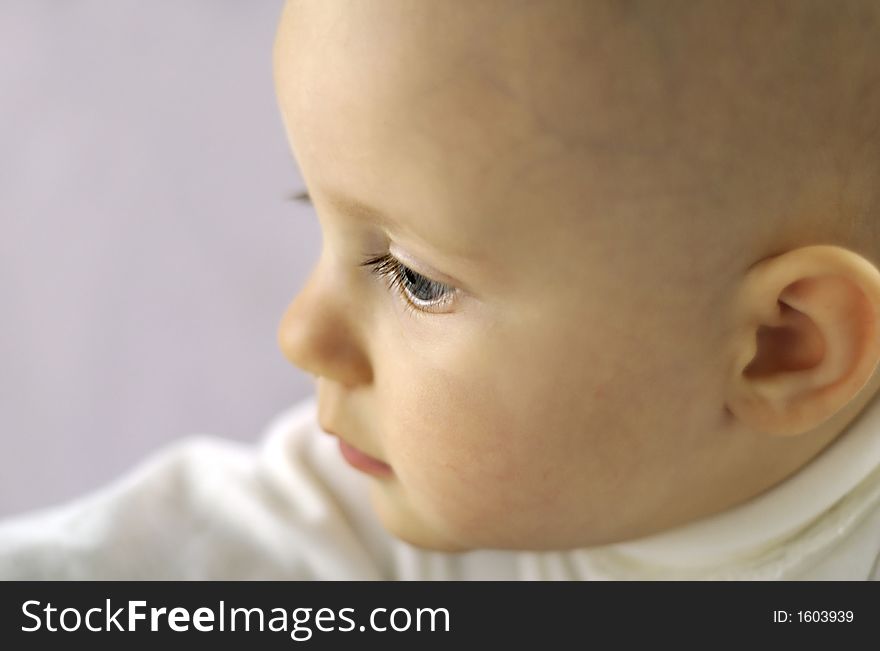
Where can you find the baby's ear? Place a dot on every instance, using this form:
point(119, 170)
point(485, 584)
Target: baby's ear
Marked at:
point(806, 338)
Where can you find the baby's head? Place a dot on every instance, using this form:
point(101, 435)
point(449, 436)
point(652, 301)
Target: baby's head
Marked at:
point(637, 282)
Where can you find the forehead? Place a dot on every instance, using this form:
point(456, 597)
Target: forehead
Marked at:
point(475, 122)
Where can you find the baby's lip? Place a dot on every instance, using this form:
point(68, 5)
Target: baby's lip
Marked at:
point(363, 461)
point(358, 458)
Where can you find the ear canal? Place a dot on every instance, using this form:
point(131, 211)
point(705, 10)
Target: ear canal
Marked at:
point(794, 345)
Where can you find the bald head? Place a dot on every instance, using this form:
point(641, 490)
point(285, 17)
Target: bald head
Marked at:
point(769, 111)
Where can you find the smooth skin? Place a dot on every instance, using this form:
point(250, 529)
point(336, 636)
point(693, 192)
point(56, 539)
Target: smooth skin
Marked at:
point(658, 294)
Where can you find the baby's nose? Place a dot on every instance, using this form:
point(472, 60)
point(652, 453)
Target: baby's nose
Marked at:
point(317, 336)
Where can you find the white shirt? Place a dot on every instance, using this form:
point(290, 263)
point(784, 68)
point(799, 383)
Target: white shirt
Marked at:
point(291, 508)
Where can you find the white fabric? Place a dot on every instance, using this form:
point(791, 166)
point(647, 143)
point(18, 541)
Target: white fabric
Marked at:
point(290, 508)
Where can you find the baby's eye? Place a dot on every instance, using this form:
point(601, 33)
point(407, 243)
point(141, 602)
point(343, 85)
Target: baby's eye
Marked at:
point(420, 293)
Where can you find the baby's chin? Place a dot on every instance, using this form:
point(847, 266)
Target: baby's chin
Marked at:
point(401, 521)
point(398, 517)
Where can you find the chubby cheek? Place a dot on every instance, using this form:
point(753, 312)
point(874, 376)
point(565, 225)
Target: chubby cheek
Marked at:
point(471, 466)
point(508, 436)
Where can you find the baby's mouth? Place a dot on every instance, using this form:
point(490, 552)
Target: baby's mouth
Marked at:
point(360, 459)
point(363, 461)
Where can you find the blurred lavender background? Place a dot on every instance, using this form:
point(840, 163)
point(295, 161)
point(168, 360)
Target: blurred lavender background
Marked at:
point(146, 250)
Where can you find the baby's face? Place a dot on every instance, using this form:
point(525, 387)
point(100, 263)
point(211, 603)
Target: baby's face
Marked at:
point(544, 372)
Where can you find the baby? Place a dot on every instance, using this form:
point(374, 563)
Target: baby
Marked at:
point(630, 248)
point(593, 273)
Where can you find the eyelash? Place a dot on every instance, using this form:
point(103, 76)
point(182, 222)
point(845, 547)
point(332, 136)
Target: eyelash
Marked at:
point(395, 273)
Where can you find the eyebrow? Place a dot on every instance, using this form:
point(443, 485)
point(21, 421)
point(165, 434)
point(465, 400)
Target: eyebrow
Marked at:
point(355, 208)
point(360, 210)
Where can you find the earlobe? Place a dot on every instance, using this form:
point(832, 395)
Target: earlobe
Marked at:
point(808, 338)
